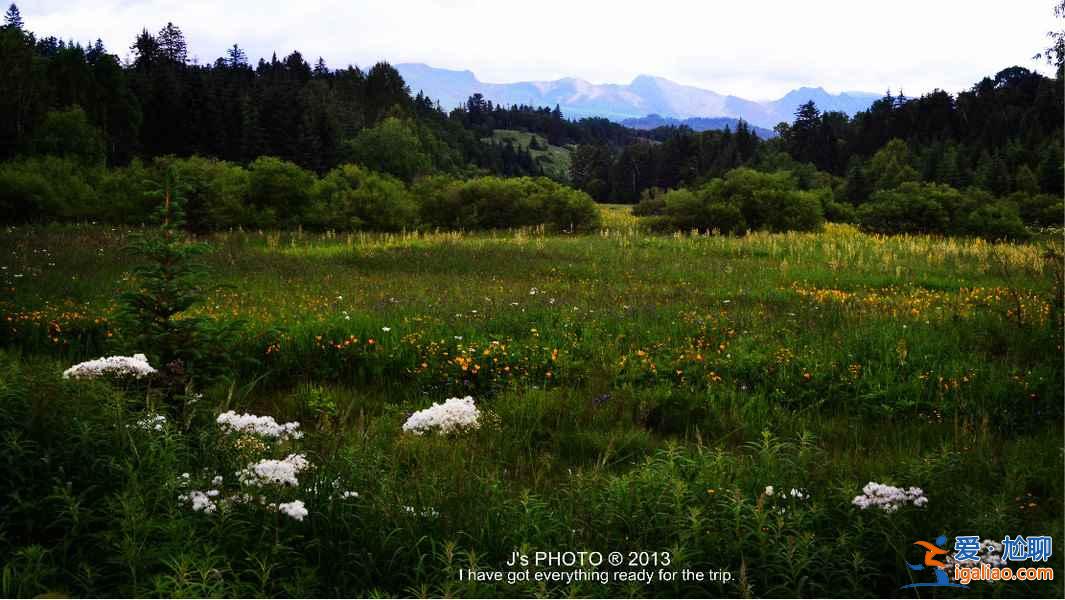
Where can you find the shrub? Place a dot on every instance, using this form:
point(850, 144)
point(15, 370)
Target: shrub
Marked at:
point(652, 203)
point(904, 210)
point(838, 212)
point(391, 147)
point(1039, 209)
point(47, 187)
point(68, 133)
point(351, 197)
point(279, 189)
point(126, 190)
point(494, 203)
point(564, 207)
point(215, 192)
point(746, 199)
point(791, 210)
point(997, 221)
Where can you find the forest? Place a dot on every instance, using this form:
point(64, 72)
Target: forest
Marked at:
point(89, 131)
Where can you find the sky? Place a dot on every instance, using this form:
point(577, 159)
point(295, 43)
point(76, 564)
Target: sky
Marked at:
point(756, 49)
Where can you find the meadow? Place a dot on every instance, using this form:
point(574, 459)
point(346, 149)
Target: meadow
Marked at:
point(722, 399)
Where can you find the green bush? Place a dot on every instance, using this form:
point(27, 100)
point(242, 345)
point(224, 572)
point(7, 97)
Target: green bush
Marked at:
point(997, 221)
point(907, 209)
point(47, 187)
point(352, 197)
point(1039, 209)
point(498, 203)
point(746, 199)
point(216, 193)
point(279, 189)
point(68, 133)
point(652, 203)
point(125, 191)
point(791, 210)
point(392, 147)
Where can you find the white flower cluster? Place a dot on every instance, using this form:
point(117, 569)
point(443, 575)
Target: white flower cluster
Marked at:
point(427, 513)
point(888, 498)
point(135, 366)
point(794, 493)
point(150, 423)
point(201, 501)
point(274, 472)
point(453, 415)
point(231, 422)
point(294, 509)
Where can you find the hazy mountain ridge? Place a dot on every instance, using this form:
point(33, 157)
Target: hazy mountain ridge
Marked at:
point(646, 95)
point(694, 123)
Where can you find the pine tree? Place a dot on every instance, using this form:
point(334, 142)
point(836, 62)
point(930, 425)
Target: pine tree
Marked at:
point(236, 56)
point(320, 70)
point(13, 18)
point(172, 44)
point(1025, 181)
point(1051, 171)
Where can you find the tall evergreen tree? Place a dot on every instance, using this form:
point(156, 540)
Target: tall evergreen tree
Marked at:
point(13, 18)
point(172, 44)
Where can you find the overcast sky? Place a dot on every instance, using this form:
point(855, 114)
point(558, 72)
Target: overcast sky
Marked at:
point(757, 49)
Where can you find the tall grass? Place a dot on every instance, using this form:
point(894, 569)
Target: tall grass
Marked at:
point(641, 391)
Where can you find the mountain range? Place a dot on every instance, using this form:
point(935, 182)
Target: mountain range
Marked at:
point(645, 95)
point(694, 123)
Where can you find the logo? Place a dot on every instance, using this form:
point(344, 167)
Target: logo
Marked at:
point(987, 560)
point(937, 566)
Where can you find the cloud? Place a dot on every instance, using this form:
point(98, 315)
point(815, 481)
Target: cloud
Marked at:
point(750, 48)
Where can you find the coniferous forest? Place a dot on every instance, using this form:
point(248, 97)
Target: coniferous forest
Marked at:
point(83, 122)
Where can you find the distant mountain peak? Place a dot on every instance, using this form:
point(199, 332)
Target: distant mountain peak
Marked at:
point(645, 96)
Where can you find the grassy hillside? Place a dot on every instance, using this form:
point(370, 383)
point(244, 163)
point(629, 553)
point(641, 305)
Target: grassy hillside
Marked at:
point(554, 159)
point(720, 400)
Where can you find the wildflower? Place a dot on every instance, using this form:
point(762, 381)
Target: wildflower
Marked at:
point(277, 472)
point(294, 509)
point(135, 366)
point(201, 501)
point(888, 498)
point(769, 490)
point(428, 513)
point(150, 423)
point(231, 422)
point(386, 329)
point(795, 493)
point(453, 415)
point(349, 494)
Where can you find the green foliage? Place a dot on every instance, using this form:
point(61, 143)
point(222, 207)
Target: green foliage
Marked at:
point(890, 167)
point(155, 313)
point(47, 187)
point(497, 203)
point(939, 208)
point(279, 190)
point(745, 199)
point(69, 134)
point(391, 147)
point(352, 197)
point(996, 221)
point(912, 208)
point(216, 193)
point(652, 203)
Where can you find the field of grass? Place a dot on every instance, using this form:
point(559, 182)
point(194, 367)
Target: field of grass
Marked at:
point(639, 393)
point(554, 159)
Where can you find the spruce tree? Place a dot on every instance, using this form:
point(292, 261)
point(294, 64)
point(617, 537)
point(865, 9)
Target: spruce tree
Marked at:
point(13, 19)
